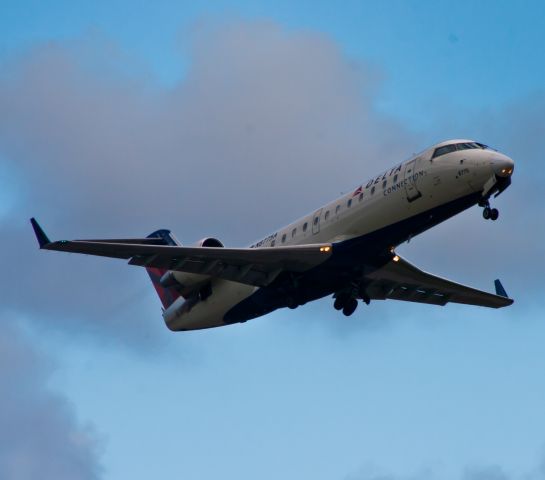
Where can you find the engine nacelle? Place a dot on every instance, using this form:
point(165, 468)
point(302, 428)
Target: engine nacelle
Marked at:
point(209, 242)
point(189, 281)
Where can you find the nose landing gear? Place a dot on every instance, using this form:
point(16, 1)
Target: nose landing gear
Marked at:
point(489, 213)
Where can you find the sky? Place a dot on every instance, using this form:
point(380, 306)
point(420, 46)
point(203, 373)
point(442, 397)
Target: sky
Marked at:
point(231, 119)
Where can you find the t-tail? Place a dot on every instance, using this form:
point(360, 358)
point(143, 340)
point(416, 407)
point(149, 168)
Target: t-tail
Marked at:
point(167, 295)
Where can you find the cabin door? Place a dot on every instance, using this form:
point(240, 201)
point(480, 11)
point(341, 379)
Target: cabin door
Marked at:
point(411, 179)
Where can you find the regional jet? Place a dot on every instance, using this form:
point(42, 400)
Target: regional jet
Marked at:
point(345, 248)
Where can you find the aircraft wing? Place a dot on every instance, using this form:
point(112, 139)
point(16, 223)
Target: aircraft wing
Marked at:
point(252, 266)
point(400, 280)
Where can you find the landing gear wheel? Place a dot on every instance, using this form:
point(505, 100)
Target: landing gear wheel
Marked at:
point(292, 303)
point(494, 214)
point(350, 307)
point(486, 213)
point(339, 303)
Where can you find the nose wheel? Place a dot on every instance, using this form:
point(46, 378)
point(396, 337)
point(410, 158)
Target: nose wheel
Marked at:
point(490, 213)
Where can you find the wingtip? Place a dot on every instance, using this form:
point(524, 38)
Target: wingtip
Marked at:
point(42, 238)
point(499, 289)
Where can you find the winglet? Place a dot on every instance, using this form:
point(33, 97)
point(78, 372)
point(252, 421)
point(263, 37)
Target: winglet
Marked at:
point(499, 289)
point(40, 234)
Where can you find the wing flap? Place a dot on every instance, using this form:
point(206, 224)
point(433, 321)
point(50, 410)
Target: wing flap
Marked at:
point(400, 280)
point(250, 274)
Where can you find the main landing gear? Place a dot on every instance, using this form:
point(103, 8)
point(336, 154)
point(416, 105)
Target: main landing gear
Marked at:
point(346, 302)
point(489, 213)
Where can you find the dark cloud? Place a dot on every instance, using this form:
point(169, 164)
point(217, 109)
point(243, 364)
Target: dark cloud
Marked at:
point(266, 125)
point(40, 436)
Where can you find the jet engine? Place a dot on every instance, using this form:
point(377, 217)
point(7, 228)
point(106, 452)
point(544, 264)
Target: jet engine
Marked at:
point(189, 282)
point(209, 242)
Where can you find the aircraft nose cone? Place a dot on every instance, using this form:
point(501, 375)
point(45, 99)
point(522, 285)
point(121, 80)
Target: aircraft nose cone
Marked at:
point(503, 165)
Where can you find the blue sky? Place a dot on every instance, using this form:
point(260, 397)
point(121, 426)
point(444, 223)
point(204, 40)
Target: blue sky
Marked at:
point(119, 118)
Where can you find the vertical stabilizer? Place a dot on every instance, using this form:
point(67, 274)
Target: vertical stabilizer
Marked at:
point(168, 295)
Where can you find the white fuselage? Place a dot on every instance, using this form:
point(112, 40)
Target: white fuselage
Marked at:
point(418, 185)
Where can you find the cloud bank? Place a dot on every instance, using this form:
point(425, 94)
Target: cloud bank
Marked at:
point(40, 436)
point(266, 125)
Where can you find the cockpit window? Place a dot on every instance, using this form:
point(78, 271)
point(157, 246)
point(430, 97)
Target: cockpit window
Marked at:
point(467, 146)
point(457, 146)
point(444, 150)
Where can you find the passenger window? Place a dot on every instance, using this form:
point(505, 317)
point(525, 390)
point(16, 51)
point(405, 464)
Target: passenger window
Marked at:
point(293, 232)
point(384, 183)
point(327, 215)
point(372, 190)
point(349, 203)
point(337, 209)
point(305, 225)
point(316, 220)
point(395, 178)
point(284, 238)
point(361, 197)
